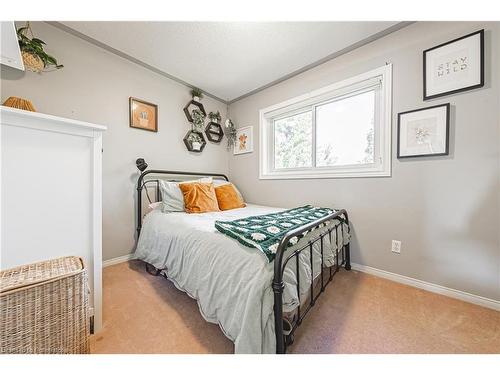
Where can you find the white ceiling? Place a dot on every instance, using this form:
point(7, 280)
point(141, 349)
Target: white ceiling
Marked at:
point(229, 59)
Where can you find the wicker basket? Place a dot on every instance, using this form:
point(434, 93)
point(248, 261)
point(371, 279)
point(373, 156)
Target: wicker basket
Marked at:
point(45, 308)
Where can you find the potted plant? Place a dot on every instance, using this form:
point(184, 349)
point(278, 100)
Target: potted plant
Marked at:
point(198, 119)
point(34, 57)
point(195, 140)
point(214, 117)
point(196, 94)
point(230, 133)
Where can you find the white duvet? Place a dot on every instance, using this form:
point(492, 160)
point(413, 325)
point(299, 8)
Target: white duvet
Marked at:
point(231, 282)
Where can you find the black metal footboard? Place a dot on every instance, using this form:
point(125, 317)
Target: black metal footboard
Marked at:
point(283, 257)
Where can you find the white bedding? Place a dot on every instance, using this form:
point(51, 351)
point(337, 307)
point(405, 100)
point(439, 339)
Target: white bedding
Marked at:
point(231, 282)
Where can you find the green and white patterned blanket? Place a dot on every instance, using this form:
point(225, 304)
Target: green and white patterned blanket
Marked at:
point(266, 231)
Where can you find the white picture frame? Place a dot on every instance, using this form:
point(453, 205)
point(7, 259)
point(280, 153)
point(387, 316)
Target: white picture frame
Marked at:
point(454, 66)
point(424, 132)
point(244, 140)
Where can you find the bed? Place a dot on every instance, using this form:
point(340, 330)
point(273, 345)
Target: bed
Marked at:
point(258, 304)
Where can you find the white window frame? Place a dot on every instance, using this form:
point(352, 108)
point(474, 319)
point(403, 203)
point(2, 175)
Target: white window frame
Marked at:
point(383, 128)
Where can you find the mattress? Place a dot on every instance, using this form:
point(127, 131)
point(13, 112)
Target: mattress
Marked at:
point(231, 282)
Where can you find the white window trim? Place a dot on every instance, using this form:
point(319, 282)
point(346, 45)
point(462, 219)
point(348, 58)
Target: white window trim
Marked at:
point(381, 169)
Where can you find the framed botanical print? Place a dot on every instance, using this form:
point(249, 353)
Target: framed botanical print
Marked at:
point(244, 140)
point(454, 66)
point(143, 115)
point(424, 132)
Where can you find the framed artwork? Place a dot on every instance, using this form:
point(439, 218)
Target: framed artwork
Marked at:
point(244, 140)
point(454, 66)
point(143, 115)
point(424, 132)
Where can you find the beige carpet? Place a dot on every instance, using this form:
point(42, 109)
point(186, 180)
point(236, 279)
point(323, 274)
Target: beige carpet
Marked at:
point(358, 313)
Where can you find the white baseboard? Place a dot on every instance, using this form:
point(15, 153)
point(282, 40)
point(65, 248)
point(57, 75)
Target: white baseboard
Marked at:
point(110, 262)
point(453, 293)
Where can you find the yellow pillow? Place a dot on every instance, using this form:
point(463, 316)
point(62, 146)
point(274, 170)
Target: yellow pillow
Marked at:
point(228, 197)
point(199, 197)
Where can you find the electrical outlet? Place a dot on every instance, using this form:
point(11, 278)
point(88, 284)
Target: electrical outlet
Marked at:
point(396, 246)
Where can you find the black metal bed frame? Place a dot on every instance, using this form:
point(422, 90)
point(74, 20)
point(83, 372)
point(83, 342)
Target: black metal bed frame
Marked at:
point(282, 256)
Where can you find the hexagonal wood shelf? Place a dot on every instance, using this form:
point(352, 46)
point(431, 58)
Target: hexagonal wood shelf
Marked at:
point(189, 107)
point(193, 146)
point(214, 132)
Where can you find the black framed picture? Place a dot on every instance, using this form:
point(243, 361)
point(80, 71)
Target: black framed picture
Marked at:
point(454, 66)
point(424, 132)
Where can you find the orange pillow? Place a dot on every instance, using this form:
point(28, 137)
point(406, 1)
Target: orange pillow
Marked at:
point(228, 197)
point(199, 197)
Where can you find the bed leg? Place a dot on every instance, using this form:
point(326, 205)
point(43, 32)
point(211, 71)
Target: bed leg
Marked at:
point(347, 257)
point(278, 317)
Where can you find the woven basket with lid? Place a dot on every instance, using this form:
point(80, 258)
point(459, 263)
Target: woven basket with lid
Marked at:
point(44, 308)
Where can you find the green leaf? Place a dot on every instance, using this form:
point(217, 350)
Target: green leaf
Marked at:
point(21, 30)
point(51, 60)
point(36, 40)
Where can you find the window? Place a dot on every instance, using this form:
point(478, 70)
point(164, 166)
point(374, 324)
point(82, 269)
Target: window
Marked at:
point(342, 130)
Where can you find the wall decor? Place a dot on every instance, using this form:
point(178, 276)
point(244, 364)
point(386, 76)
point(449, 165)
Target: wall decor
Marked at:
point(214, 132)
point(143, 115)
point(230, 133)
point(194, 104)
point(198, 120)
point(194, 141)
point(244, 140)
point(424, 131)
point(214, 129)
point(19, 103)
point(215, 116)
point(34, 57)
point(196, 94)
point(454, 66)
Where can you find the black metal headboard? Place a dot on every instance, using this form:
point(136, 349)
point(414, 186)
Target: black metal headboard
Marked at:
point(142, 183)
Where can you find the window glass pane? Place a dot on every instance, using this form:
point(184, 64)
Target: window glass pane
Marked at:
point(293, 141)
point(345, 131)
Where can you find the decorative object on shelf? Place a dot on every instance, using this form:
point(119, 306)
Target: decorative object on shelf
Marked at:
point(424, 132)
point(454, 66)
point(196, 94)
point(230, 133)
point(143, 115)
point(19, 103)
point(34, 57)
point(244, 140)
point(194, 141)
point(198, 120)
point(215, 116)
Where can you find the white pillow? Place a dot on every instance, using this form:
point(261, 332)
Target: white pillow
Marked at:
point(171, 194)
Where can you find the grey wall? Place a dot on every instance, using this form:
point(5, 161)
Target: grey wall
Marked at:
point(95, 86)
point(445, 210)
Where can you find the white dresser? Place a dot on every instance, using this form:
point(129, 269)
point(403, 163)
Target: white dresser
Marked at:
point(51, 200)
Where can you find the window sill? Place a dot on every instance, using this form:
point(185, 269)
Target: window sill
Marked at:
point(321, 175)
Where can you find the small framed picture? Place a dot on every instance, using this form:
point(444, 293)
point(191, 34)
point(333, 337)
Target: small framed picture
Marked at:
point(424, 132)
point(143, 115)
point(454, 66)
point(244, 140)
